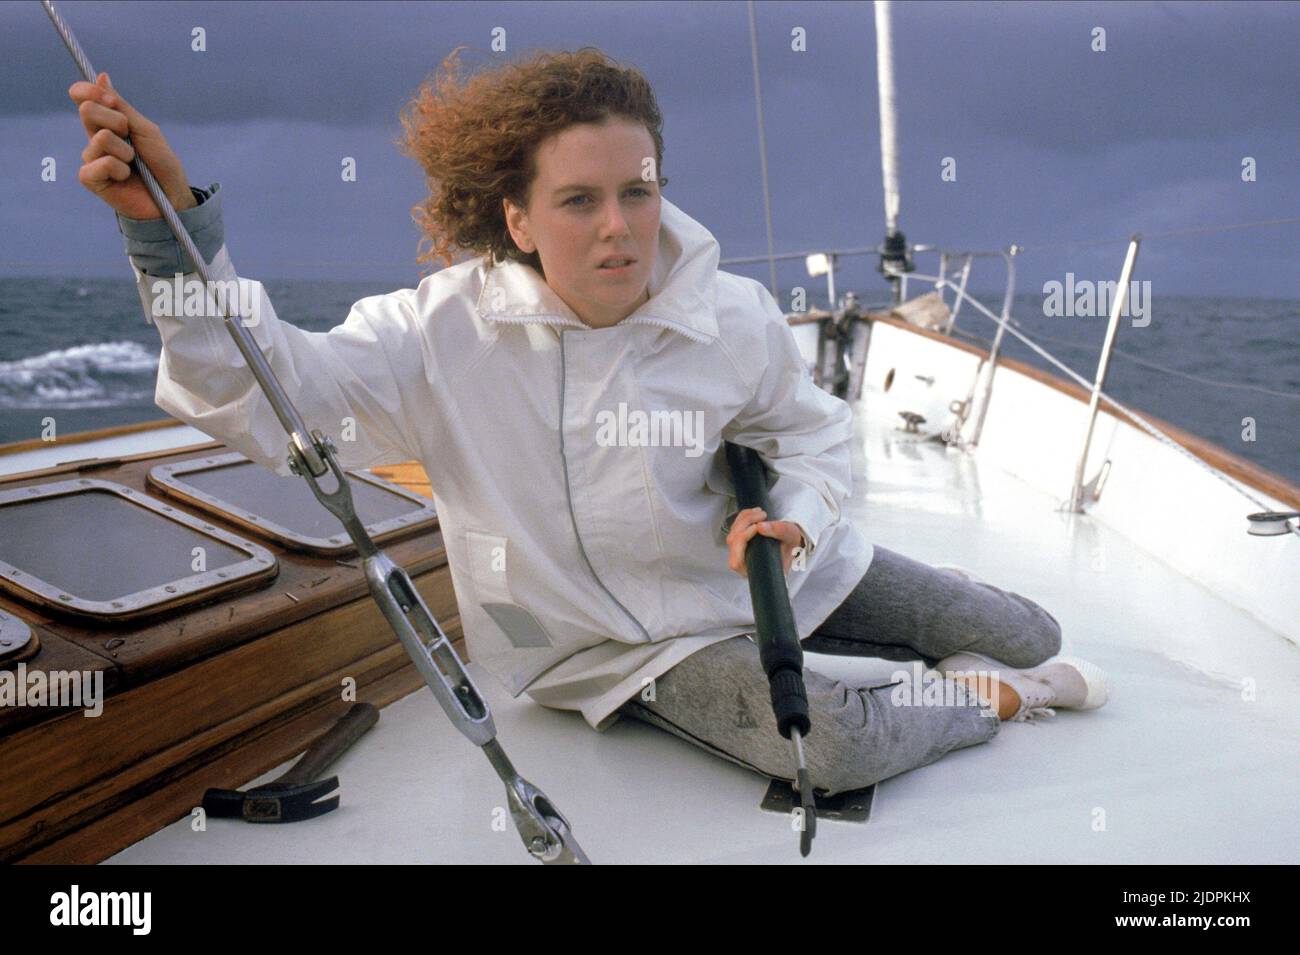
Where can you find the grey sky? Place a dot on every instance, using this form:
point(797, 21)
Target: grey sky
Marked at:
point(1053, 141)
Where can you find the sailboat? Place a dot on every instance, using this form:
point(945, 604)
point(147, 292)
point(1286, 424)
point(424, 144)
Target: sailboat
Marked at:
point(1166, 558)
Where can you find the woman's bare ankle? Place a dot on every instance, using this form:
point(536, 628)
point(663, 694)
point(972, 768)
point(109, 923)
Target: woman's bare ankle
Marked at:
point(993, 693)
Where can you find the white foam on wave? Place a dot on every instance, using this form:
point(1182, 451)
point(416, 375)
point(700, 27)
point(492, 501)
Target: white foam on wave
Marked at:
point(101, 374)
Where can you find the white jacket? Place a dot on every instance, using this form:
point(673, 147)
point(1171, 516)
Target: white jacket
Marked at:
point(587, 557)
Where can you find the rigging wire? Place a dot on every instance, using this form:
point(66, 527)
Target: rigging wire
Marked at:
point(1194, 230)
point(762, 145)
point(1293, 395)
point(1128, 412)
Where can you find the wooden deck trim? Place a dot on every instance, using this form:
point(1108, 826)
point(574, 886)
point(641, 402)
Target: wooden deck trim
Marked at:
point(82, 465)
point(79, 437)
point(184, 693)
point(51, 789)
point(145, 809)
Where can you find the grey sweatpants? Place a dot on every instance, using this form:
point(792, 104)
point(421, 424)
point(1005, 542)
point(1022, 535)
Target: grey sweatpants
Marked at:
point(901, 610)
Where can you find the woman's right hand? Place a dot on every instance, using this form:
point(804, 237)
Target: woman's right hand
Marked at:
point(106, 169)
point(753, 521)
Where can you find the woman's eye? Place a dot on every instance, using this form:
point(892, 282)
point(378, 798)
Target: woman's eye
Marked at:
point(644, 193)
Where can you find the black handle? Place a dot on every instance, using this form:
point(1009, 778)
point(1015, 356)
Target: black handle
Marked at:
point(779, 651)
point(350, 728)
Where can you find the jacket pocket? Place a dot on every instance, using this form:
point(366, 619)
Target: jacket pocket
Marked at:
point(490, 570)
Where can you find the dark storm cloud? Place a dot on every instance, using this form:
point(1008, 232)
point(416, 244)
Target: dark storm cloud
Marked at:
point(1015, 70)
point(1053, 141)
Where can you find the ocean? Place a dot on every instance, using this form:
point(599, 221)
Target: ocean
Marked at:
point(78, 350)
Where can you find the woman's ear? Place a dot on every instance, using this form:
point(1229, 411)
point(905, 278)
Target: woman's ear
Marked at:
point(517, 224)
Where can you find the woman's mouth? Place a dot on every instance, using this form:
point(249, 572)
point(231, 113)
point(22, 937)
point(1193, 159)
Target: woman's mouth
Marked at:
point(617, 266)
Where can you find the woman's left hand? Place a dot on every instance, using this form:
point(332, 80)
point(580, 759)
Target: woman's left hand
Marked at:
point(750, 522)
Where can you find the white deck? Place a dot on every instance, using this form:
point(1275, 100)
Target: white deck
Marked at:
point(1185, 769)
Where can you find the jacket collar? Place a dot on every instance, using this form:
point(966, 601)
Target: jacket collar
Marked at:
point(683, 285)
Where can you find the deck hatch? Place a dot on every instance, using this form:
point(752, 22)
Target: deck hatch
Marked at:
point(283, 509)
point(101, 550)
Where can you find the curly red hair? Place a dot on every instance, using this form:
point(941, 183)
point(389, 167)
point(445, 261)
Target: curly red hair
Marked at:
point(477, 140)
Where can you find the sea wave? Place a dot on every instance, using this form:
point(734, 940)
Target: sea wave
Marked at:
point(101, 374)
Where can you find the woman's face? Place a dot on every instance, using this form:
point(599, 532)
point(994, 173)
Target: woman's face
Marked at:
point(596, 195)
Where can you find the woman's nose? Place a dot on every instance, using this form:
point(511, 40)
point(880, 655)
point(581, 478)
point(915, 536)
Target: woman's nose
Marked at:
point(616, 222)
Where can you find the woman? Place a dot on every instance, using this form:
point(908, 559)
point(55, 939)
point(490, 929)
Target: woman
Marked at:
point(568, 390)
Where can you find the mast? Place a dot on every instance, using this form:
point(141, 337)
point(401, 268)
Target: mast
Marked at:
point(894, 258)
